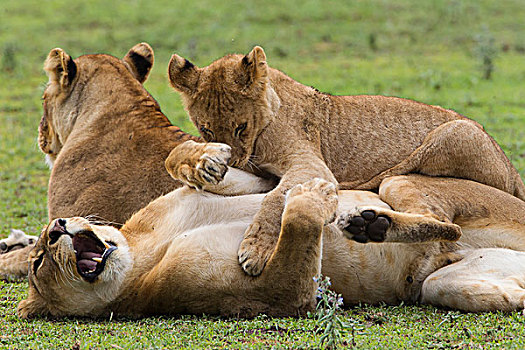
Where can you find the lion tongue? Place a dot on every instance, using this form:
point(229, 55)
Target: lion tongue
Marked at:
point(86, 265)
point(89, 255)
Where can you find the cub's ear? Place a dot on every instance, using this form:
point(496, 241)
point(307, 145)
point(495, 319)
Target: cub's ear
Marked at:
point(60, 68)
point(139, 61)
point(183, 74)
point(255, 66)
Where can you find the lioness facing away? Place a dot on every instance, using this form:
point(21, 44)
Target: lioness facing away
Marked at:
point(295, 132)
point(179, 254)
point(104, 136)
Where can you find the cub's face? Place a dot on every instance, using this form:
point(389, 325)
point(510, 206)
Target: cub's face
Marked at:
point(83, 83)
point(75, 268)
point(230, 101)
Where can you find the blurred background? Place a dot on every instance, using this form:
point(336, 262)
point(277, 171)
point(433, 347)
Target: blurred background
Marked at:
point(464, 55)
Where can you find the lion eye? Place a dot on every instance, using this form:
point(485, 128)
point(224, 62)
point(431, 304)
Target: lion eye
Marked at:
point(238, 131)
point(207, 133)
point(38, 262)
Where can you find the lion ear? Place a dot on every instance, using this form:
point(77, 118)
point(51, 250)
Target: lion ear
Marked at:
point(139, 61)
point(183, 74)
point(60, 68)
point(255, 66)
point(48, 140)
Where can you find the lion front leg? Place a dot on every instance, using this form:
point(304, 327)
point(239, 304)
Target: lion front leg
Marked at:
point(261, 236)
point(375, 224)
point(289, 274)
point(14, 263)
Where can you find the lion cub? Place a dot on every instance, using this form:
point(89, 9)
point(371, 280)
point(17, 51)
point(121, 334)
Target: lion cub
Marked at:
point(297, 133)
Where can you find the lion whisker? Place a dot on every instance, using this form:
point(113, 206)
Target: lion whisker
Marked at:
point(98, 220)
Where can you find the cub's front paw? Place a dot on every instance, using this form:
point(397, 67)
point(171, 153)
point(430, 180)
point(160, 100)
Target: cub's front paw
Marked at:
point(199, 164)
point(364, 225)
point(321, 195)
point(256, 249)
point(212, 165)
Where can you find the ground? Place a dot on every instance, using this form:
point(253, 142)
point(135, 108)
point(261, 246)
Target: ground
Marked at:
point(438, 52)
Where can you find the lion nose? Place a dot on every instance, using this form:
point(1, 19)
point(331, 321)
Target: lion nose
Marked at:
point(3, 247)
point(58, 229)
point(59, 226)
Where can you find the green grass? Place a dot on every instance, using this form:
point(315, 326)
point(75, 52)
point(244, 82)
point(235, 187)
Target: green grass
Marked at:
point(424, 50)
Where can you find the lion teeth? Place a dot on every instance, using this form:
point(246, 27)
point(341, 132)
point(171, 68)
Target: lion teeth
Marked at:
point(99, 260)
point(106, 245)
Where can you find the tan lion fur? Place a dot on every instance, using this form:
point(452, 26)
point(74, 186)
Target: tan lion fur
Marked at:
point(15, 248)
point(104, 135)
point(295, 132)
point(179, 254)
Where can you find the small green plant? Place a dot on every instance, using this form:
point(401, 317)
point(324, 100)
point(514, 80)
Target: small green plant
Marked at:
point(328, 316)
point(372, 41)
point(486, 51)
point(8, 58)
point(432, 78)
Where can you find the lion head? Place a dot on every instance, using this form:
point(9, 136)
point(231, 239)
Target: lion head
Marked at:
point(75, 268)
point(230, 101)
point(71, 87)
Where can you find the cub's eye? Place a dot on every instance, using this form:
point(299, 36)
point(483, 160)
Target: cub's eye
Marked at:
point(207, 133)
point(238, 131)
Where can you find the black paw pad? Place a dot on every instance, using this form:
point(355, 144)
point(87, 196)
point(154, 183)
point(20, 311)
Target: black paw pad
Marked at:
point(360, 238)
point(368, 215)
point(377, 228)
point(368, 227)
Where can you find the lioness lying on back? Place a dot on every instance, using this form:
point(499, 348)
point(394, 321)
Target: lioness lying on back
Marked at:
point(293, 131)
point(179, 254)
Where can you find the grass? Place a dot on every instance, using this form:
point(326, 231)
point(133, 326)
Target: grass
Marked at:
point(424, 50)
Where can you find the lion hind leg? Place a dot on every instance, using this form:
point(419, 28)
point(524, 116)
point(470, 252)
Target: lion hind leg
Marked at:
point(461, 149)
point(289, 274)
point(365, 224)
point(485, 280)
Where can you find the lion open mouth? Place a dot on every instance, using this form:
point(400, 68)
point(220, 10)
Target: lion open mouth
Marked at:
point(91, 254)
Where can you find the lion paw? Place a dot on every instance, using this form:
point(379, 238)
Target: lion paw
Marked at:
point(321, 195)
point(199, 164)
point(262, 235)
point(212, 165)
point(256, 249)
point(16, 240)
point(364, 225)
